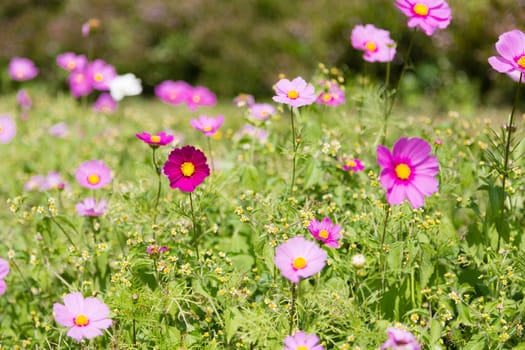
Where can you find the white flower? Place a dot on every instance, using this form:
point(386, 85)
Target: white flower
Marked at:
point(124, 85)
point(358, 260)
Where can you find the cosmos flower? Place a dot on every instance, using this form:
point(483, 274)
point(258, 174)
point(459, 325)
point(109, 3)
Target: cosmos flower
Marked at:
point(325, 231)
point(428, 15)
point(375, 42)
point(299, 258)
point(302, 341)
point(331, 95)
point(93, 174)
point(99, 74)
point(23, 99)
point(200, 96)
point(154, 249)
point(59, 130)
point(262, 111)
point(295, 93)
point(400, 339)
point(21, 69)
point(84, 317)
point(252, 132)
point(4, 270)
point(90, 207)
point(54, 181)
point(155, 140)
point(35, 183)
point(92, 23)
point(207, 125)
point(70, 61)
point(352, 164)
point(125, 85)
point(243, 100)
point(79, 83)
point(511, 47)
point(408, 172)
point(186, 168)
point(7, 128)
point(105, 104)
point(173, 92)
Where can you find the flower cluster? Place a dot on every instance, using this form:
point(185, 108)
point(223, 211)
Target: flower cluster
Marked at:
point(178, 92)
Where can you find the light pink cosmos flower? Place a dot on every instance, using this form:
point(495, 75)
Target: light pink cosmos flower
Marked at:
point(200, 96)
point(376, 43)
point(262, 111)
point(155, 140)
point(173, 92)
point(21, 69)
point(23, 99)
point(295, 93)
point(332, 95)
point(408, 172)
point(511, 47)
point(352, 164)
point(253, 132)
point(84, 317)
point(105, 104)
point(54, 181)
point(70, 61)
point(93, 174)
point(400, 339)
point(90, 207)
point(80, 83)
point(428, 15)
point(7, 128)
point(208, 125)
point(35, 183)
point(4, 270)
point(59, 130)
point(298, 258)
point(302, 341)
point(243, 100)
point(99, 74)
point(325, 231)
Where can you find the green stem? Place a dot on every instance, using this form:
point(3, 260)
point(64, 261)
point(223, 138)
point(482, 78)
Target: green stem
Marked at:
point(293, 309)
point(294, 143)
point(195, 238)
point(211, 155)
point(381, 263)
point(63, 231)
point(158, 171)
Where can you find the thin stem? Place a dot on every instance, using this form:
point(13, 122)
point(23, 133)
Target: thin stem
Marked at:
point(293, 309)
point(294, 143)
point(158, 171)
point(195, 238)
point(211, 155)
point(21, 274)
point(63, 231)
point(385, 224)
point(383, 265)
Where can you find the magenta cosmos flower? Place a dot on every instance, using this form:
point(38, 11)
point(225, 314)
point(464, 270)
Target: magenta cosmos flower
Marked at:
point(79, 83)
point(90, 207)
point(375, 42)
point(295, 93)
point(93, 174)
point(352, 164)
point(208, 125)
point(262, 111)
point(326, 232)
point(332, 95)
point(21, 69)
point(173, 92)
point(200, 96)
point(511, 47)
point(302, 341)
point(155, 140)
point(298, 258)
point(99, 74)
point(4, 270)
point(7, 128)
point(186, 168)
point(428, 15)
point(408, 172)
point(85, 317)
point(71, 61)
point(105, 104)
point(400, 339)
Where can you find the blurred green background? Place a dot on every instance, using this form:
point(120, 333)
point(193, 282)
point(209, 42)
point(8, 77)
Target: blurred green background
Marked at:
point(235, 46)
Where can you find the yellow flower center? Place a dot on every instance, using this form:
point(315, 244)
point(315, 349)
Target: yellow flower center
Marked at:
point(371, 46)
point(299, 263)
point(351, 163)
point(154, 138)
point(98, 77)
point(196, 98)
point(187, 169)
point(521, 61)
point(71, 65)
point(327, 97)
point(81, 320)
point(302, 347)
point(207, 128)
point(402, 171)
point(420, 9)
point(93, 179)
point(323, 234)
point(293, 94)
point(264, 113)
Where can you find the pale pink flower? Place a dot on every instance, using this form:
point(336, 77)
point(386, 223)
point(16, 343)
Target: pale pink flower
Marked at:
point(295, 93)
point(428, 15)
point(375, 42)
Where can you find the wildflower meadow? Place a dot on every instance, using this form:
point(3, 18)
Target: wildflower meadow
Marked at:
point(325, 215)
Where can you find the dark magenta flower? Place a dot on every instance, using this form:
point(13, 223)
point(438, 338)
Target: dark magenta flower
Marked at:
point(155, 140)
point(21, 69)
point(186, 168)
point(352, 164)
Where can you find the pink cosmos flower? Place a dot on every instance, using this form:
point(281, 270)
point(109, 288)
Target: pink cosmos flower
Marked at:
point(4, 270)
point(35, 183)
point(302, 341)
point(252, 132)
point(375, 42)
point(354, 165)
point(54, 181)
point(71, 61)
point(511, 47)
point(93, 174)
point(92, 23)
point(90, 207)
point(59, 130)
point(515, 75)
point(200, 96)
point(7, 128)
point(186, 168)
point(332, 96)
point(262, 111)
point(79, 83)
point(208, 125)
point(156, 140)
point(243, 100)
point(298, 258)
point(23, 99)
point(173, 92)
point(326, 232)
point(429, 15)
point(99, 74)
point(295, 93)
point(408, 172)
point(85, 317)
point(154, 249)
point(105, 104)
point(400, 339)
point(21, 69)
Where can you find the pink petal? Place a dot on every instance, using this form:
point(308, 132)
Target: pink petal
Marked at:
point(74, 302)
point(62, 315)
